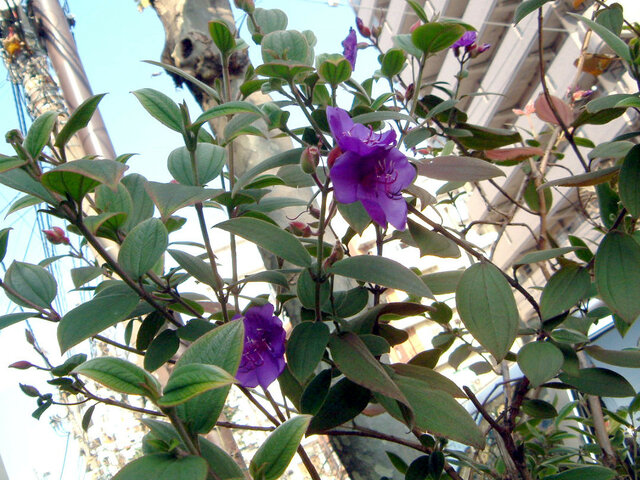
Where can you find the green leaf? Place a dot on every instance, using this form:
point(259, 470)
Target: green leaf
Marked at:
point(365, 322)
point(344, 402)
point(39, 133)
point(269, 237)
point(82, 275)
point(564, 290)
point(25, 201)
point(356, 362)
point(191, 79)
point(209, 159)
point(540, 361)
point(222, 36)
point(526, 7)
point(355, 215)
point(485, 138)
point(432, 243)
point(107, 308)
point(12, 318)
point(599, 381)
point(143, 247)
point(543, 255)
point(163, 466)
point(86, 418)
point(408, 374)
point(228, 108)
point(20, 180)
point(585, 179)
point(381, 271)
point(161, 349)
point(591, 472)
point(270, 20)
point(160, 107)
point(191, 380)
point(620, 358)
point(135, 185)
point(305, 348)
point(274, 455)
point(315, 394)
point(289, 46)
point(222, 347)
point(398, 463)
point(436, 36)
point(9, 163)
point(487, 308)
point(539, 408)
point(615, 149)
point(120, 375)
point(441, 283)
point(374, 117)
point(392, 62)
point(197, 268)
point(4, 240)
point(334, 69)
point(69, 364)
point(33, 283)
point(290, 157)
point(614, 41)
point(404, 42)
point(458, 169)
point(79, 119)
point(629, 183)
point(617, 274)
point(171, 197)
point(79, 177)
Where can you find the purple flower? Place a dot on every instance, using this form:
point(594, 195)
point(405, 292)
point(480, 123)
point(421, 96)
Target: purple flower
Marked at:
point(466, 40)
point(350, 45)
point(370, 170)
point(263, 354)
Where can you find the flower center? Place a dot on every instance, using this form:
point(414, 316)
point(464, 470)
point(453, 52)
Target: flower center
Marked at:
point(253, 354)
point(386, 176)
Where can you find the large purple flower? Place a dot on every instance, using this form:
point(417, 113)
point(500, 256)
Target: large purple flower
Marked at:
point(263, 354)
point(350, 45)
point(370, 170)
point(466, 40)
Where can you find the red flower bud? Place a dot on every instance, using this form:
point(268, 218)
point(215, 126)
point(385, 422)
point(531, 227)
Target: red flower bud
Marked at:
point(336, 254)
point(300, 229)
point(362, 28)
point(333, 156)
point(415, 25)
point(309, 159)
point(21, 365)
point(314, 212)
point(56, 236)
point(408, 94)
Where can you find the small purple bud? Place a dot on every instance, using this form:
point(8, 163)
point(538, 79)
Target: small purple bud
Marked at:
point(350, 45)
point(21, 365)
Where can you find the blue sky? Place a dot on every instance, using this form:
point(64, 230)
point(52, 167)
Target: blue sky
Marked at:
point(113, 39)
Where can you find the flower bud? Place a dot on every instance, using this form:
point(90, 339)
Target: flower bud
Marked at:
point(21, 365)
point(56, 236)
point(337, 253)
point(245, 5)
point(300, 229)
point(309, 159)
point(408, 94)
point(29, 390)
point(14, 136)
point(314, 212)
point(376, 31)
point(415, 25)
point(362, 28)
point(333, 156)
point(29, 335)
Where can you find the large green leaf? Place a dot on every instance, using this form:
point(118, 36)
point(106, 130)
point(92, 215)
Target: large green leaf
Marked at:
point(163, 466)
point(228, 108)
point(161, 349)
point(620, 358)
point(614, 41)
point(209, 160)
point(191, 380)
point(290, 157)
point(355, 215)
point(432, 243)
point(79, 119)
point(120, 375)
point(160, 107)
point(487, 308)
point(222, 347)
point(409, 374)
point(39, 133)
point(12, 318)
point(458, 169)
point(171, 197)
point(196, 267)
point(599, 381)
point(269, 237)
point(436, 36)
point(143, 247)
point(564, 290)
point(540, 361)
point(288, 46)
point(33, 283)
point(356, 362)
point(441, 283)
point(629, 183)
point(486, 138)
point(274, 455)
point(305, 348)
point(20, 180)
point(381, 271)
point(79, 177)
point(344, 402)
point(135, 185)
point(617, 274)
point(107, 308)
point(82, 275)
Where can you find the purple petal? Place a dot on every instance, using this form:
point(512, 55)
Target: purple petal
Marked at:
point(346, 174)
point(395, 210)
point(350, 45)
point(339, 122)
point(466, 40)
point(375, 211)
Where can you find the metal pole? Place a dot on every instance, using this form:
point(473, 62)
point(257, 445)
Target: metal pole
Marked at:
point(72, 78)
